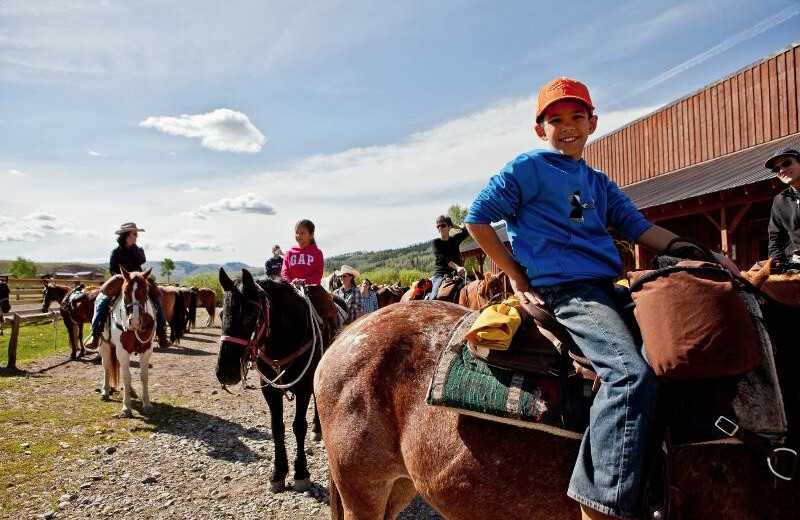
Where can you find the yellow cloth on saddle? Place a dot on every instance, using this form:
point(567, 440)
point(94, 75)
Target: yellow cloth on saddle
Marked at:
point(496, 325)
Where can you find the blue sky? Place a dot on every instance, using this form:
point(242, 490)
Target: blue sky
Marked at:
point(217, 125)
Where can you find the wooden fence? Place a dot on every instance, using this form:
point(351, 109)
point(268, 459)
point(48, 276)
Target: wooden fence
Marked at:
point(27, 289)
point(16, 320)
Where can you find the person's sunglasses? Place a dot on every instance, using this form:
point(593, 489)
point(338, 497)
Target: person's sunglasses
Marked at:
point(778, 167)
point(440, 226)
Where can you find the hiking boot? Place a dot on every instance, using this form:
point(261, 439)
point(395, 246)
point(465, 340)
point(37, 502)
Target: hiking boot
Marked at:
point(94, 343)
point(163, 342)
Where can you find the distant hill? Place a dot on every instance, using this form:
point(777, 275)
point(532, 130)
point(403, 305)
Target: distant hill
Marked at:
point(182, 270)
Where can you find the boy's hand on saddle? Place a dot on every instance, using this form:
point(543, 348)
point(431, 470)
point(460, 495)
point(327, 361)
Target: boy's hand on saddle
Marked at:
point(462, 272)
point(522, 289)
point(298, 282)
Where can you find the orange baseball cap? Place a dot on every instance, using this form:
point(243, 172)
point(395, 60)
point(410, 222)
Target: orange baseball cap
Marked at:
point(562, 88)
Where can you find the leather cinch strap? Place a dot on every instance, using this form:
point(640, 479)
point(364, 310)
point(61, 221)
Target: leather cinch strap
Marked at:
point(782, 461)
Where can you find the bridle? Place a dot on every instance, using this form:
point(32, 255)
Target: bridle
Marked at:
point(129, 308)
point(261, 332)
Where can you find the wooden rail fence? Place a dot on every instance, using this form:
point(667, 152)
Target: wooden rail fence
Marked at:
point(31, 288)
point(16, 320)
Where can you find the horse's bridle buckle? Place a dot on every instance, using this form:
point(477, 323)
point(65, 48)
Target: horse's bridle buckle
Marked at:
point(727, 426)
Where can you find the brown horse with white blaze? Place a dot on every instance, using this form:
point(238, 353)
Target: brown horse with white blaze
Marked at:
point(385, 444)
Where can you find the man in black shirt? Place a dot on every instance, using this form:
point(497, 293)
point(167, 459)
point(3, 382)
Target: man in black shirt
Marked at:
point(272, 267)
point(447, 253)
point(784, 221)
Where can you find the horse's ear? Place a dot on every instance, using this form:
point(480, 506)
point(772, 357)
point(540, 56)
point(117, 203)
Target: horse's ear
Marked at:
point(247, 278)
point(125, 274)
point(225, 281)
point(146, 274)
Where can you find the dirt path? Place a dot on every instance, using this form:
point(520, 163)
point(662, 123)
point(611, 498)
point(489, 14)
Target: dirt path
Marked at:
point(203, 454)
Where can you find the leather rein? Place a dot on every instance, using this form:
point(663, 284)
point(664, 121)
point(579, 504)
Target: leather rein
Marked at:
point(254, 351)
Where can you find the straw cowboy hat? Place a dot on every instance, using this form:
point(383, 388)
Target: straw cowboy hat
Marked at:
point(126, 227)
point(346, 269)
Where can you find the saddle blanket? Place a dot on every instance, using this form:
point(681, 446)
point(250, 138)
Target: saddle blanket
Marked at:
point(467, 385)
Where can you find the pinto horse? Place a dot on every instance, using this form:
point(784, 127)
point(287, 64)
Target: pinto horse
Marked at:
point(484, 289)
point(131, 331)
point(385, 444)
point(269, 322)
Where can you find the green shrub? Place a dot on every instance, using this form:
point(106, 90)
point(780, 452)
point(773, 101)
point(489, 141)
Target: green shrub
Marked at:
point(208, 280)
point(35, 342)
point(390, 276)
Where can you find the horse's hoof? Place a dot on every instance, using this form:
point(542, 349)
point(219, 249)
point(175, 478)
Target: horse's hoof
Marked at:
point(105, 397)
point(73, 356)
point(134, 395)
point(147, 409)
point(277, 486)
point(126, 414)
point(316, 436)
point(302, 485)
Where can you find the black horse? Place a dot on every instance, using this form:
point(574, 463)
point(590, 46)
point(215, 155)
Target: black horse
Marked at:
point(267, 320)
point(5, 301)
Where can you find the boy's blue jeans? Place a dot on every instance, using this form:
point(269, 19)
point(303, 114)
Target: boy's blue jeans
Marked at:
point(101, 309)
point(609, 473)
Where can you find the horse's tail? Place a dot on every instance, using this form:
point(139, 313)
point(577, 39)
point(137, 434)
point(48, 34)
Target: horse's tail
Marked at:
point(335, 501)
point(178, 324)
point(113, 377)
point(192, 308)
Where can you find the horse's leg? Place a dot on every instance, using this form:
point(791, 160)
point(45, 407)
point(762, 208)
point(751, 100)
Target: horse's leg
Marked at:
point(316, 429)
point(274, 398)
point(79, 326)
point(302, 478)
point(125, 367)
point(105, 356)
point(144, 368)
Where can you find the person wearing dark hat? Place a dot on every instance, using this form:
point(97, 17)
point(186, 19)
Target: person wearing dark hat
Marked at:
point(784, 220)
point(129, 256)
point(272, 267)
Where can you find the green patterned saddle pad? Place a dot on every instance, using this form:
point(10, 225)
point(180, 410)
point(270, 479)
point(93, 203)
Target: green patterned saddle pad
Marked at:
point(467, 385)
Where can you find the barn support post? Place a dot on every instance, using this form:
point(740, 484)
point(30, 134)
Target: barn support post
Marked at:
point(12, 343)
point(638, 258)
point(725, 237)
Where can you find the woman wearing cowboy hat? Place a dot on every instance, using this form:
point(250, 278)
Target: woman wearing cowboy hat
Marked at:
point(349, 292)
point(131, 257)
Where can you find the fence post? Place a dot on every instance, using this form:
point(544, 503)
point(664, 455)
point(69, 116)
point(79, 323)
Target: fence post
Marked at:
point(12, 343)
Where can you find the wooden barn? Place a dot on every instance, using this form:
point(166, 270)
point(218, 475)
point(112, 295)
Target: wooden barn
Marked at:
point(696, 166)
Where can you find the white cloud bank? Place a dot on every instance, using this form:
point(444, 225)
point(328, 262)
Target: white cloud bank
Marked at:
point(223, 130)
point(247, 203)
point(36, 226)
point(183, 245)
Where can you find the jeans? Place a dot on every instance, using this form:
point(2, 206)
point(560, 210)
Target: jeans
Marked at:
point(101, 309)
point(437, 282)
point(609, 473)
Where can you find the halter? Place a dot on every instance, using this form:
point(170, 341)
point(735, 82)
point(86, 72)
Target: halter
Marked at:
point(262, 332)
point(144, 310)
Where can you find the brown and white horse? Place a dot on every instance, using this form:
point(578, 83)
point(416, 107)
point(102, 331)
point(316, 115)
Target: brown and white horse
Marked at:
point(131, 331)
point(385, 444)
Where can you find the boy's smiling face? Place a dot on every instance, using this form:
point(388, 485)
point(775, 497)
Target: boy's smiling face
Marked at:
point(566, 126)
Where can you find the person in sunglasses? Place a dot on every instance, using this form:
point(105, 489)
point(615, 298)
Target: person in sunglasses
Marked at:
point(784, 220)
point(447, 253)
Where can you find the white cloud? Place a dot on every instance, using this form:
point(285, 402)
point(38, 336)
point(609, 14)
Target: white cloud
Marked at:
point(94, 153)
point(191, 190)
point(16, 173)
point(223, 130)
point(36, 226)
point(194, 215)
point(182, 245)
point(247, 203)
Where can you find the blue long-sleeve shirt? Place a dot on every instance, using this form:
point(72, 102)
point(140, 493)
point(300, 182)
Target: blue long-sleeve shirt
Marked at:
point(557, 212)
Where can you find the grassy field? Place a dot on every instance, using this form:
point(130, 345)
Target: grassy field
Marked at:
point(35, 342)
